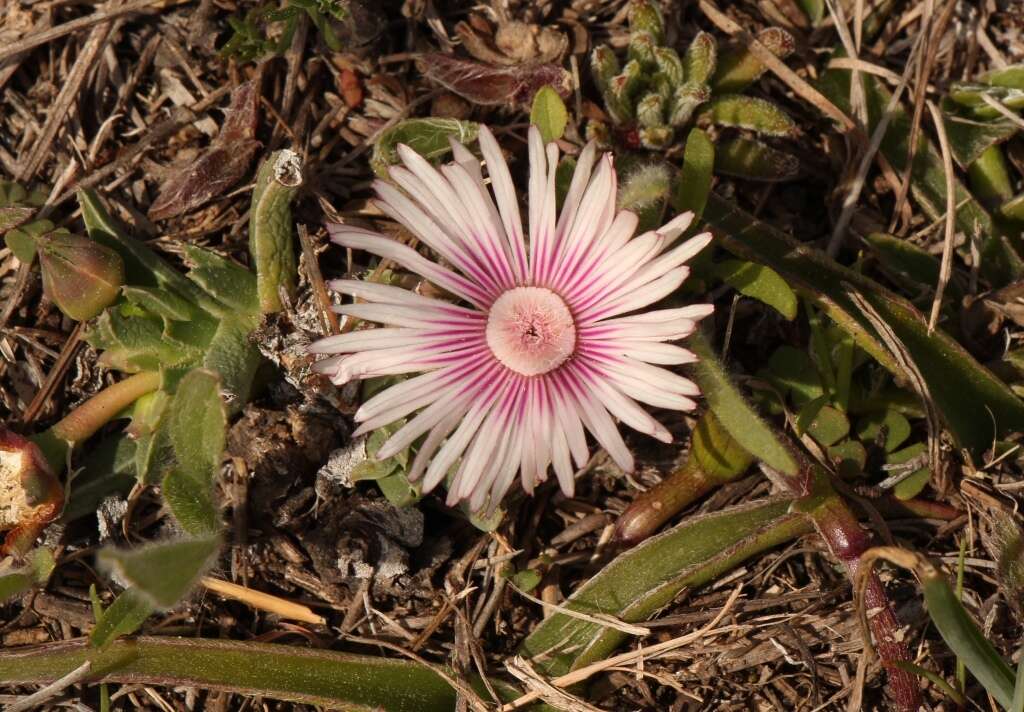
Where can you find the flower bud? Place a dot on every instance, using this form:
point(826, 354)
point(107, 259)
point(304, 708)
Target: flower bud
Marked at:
point(30, 495)
point(81, 276)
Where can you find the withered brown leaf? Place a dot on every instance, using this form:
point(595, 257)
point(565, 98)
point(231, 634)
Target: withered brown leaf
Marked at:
point(221, 166)
point(489, 85)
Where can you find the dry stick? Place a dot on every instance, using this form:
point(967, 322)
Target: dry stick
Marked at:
point(862, 66)
point(926, 66)
point(602, 620)
point(83, 23)
point(182, 116)
point(1002, 109)
point(53, 377)
point(626, 658)
point(66, 97)
point(36, 699)
point(946, 269)
point(777, 66)
point(329, 320)
point(263, 601)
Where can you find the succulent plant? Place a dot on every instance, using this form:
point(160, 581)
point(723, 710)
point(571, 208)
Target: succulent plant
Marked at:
point(979, 119)
point(657, 93)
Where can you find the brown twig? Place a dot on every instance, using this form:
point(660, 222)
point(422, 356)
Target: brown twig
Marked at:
point(83, 23)
point(53, 377)
point(66, 97)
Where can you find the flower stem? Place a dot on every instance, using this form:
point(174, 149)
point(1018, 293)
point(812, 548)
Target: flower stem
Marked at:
point(847, 540)
point(86, 419)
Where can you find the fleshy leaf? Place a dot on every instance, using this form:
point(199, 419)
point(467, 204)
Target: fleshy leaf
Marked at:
point(748, 112)
point(270, 228)
point(694, 183)
point(122, 617)
point(746, 158)
point(738, 68)
point(975, 404)
point(761, 283)
point(549, 114)
point(738, 418)
point(644, 579)
point(162, 573)
point(195, 424)
point(428, 137)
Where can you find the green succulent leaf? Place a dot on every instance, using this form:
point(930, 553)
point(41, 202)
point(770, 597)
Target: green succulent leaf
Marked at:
point(752, 160)
point(747, 112)
point(976, 406)
point(737, 416)
point(321, 678)
point(738, 67)
point(196, 420)
point(122, 617)
point(694, 183)
point(760, 283)
point(701, 59)
point(161, 574)
point(40, 565)
point(989, 177)
point(270, 228)
point(428, 137)
point(644, 579)
point(549, 114)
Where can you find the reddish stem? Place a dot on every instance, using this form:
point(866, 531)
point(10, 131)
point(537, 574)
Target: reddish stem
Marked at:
point(846, 541)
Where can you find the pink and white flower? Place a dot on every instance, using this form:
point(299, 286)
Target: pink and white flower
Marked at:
point(548, 339)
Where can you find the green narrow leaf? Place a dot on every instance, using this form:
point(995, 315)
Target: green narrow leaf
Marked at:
point(694, 183)
point(748, 112)
point(966, 640)
point(549, 114)
point(814, 9)
point(428, 137)
point(162, 573)
point(123, 617)
point(975, 405)
point(644, 579)
point(989, 176)
point(738, 68)
point(196, 421)
point(738, 418)
point(761, 283)
point(315, 677)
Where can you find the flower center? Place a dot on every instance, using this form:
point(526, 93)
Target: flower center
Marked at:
point(530, 330)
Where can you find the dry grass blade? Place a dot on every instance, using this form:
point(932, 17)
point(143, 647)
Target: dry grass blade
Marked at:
point(914, 376)
point(601, 620)
point(946, 269)
point(627, 658)
point(38, 698)
point(860, 177)
point(263, 601)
